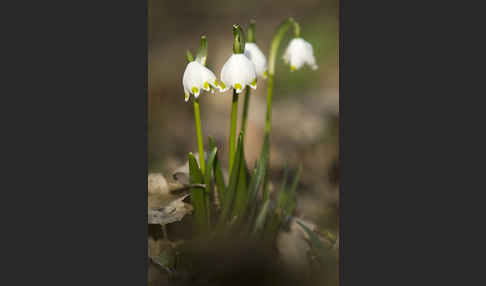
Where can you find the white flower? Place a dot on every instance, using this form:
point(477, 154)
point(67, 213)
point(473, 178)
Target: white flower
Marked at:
point(197, 77)
point(298, 53)
point(257, 58)
point(237, 72)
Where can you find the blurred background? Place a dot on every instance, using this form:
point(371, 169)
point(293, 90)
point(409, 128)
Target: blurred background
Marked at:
point(305, 102)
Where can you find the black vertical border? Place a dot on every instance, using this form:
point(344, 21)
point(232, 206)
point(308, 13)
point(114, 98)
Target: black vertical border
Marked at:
point(76, 207)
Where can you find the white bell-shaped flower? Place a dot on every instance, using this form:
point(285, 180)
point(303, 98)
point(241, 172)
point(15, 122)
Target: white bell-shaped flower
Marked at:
point(257, 58)
point(237, 72)
point(298, 53)
point(197, 77)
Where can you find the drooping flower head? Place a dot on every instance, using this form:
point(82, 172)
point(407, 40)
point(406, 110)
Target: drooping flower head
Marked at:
point(298, 53)
point(196, 78)
point(254, 53)
point(258, 59)
point(238, 71)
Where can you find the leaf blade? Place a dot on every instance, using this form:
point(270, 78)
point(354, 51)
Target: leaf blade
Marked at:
point(197, 197)
point(218, 174)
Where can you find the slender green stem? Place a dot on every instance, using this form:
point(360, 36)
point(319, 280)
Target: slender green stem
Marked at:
point(250, 39)
point(268, 125)
point(277, 39)
point(251, 32)
point(199, 135)
point(245, 109)
point(268, 122)
point(232, 144)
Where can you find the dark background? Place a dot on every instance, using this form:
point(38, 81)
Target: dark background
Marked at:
point(75, 151)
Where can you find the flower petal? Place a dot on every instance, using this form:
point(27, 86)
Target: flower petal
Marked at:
point(237, 72)
point(256, 56)
point(298, 53)
point(196, 78)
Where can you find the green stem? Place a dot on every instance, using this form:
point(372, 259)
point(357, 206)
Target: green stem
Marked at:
point(234, 113)
point(245, 110)
point(250, 39)
point(199, 135)
point(268, 125)
point(268, 122)
point(277, 39)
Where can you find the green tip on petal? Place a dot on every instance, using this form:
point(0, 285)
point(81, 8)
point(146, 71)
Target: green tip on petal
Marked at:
point(186, 96)
point(238, 86)
point(253, 83)
point(292, 68)
point(206, 85)
point(216, 83)
point(223, 86)
point(265, 74)
point(194, 89)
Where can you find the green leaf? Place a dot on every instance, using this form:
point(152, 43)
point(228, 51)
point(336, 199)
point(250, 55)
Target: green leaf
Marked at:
point(257, 179)
point(264, 156)
point(286, 203)
point(252, 196)
point(241, 200)
point(207, 181)
point(210, 161)
point(202, 53)
point(287, 197)
point(292, 195)
point(233, 182)
point(218, 174)
point(253, 185)
point(197, 197)
point(283, 194)
point(261, 218)
point(314, 241)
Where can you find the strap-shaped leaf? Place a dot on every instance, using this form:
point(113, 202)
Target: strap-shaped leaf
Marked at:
point(242, 194)
point(256, 182)
point(314, 241)
point(286, 203)
point(264, 156)
point(233, 182)
point(218, 174)
point(292, 195)
point(207, 181)
point(197, 197)
point(262, 217)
